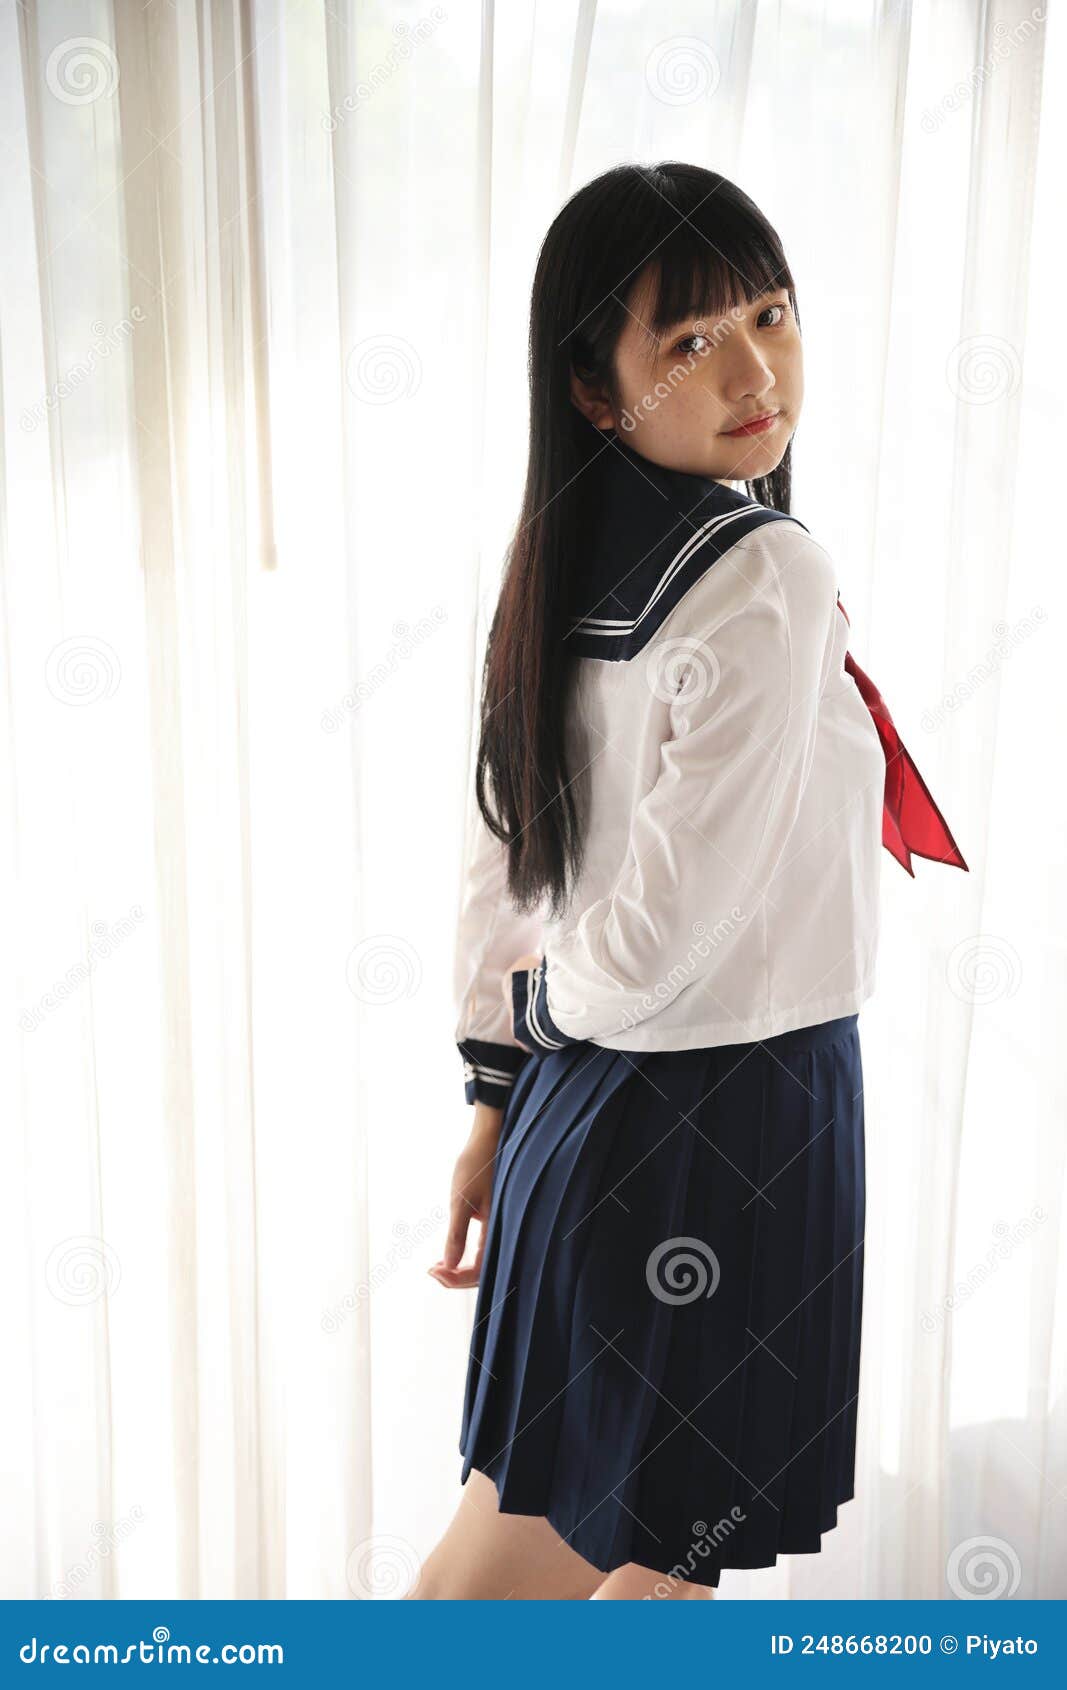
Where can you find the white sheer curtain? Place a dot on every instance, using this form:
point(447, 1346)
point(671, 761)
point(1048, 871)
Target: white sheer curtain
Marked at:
point(265, 272)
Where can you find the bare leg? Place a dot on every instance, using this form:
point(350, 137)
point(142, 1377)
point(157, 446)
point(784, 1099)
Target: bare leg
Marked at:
point(486, 1556)
point(633, 1583)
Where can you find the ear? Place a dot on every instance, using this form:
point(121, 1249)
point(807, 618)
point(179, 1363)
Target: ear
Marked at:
point(591, 400)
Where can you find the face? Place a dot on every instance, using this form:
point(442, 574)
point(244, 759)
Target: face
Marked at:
point(685, 394)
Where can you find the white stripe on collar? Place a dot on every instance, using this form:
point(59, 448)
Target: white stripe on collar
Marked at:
point(626, 625)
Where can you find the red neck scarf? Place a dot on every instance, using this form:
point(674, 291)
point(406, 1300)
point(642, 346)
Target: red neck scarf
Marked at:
point(911, 821)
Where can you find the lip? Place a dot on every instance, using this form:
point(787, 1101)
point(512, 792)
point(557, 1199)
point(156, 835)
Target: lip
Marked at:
point(756, 425)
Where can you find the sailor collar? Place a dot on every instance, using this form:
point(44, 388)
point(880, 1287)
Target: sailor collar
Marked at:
point(656, 532)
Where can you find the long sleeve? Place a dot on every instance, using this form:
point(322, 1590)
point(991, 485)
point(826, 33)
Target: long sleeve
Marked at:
point(490, 934)
point(708, 835)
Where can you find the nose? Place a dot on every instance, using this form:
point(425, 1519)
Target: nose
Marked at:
point(747, 374)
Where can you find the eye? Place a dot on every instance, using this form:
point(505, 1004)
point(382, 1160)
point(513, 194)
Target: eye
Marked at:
point(689, 348)
point(782, 309)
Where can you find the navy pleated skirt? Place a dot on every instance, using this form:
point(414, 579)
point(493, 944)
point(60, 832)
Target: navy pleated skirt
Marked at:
point(665, 1354)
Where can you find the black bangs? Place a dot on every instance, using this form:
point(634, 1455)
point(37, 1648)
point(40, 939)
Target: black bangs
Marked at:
point(714, 253)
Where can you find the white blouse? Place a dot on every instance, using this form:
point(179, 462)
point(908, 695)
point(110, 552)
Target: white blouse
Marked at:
point(730, 887)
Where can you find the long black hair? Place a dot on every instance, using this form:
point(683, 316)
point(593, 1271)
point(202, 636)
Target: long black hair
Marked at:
point(706, 247)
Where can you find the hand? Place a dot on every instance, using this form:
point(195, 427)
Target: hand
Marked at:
point(472, 1189)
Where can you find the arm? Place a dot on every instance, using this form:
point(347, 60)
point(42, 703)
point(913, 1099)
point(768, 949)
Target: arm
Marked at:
point(490, 935)
point(706, 839)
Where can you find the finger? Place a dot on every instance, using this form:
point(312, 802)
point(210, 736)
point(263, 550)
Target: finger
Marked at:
point(455, 1279)
point(456, 1240)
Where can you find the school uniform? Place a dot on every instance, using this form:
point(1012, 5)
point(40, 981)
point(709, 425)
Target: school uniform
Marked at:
point(665, 1354)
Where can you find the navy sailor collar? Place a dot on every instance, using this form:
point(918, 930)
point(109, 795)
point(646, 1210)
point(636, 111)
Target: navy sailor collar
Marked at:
point(656, 531)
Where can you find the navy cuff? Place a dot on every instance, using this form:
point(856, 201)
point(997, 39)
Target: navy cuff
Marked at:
point(531, 1021)
point(490, 1070)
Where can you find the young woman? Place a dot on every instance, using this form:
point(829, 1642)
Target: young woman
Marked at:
point(668, 926)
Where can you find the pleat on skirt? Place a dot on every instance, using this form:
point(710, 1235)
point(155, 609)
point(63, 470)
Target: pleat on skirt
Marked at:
point(664, 1360)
